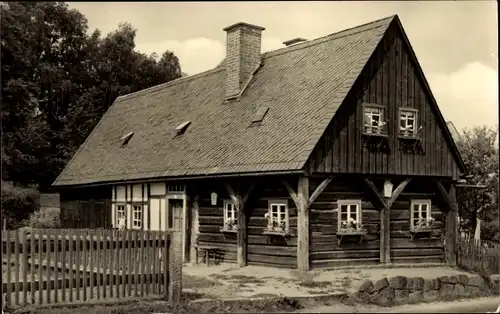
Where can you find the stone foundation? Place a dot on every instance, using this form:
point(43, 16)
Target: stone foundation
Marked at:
point(404, 290)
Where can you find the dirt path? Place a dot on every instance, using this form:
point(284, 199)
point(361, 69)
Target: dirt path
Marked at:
point(482, 305)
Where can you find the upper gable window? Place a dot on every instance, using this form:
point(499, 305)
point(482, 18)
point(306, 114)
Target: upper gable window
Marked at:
point(408, 121)
point(373, 119)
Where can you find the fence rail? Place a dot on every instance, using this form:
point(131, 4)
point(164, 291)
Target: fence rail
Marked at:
point(478, 255)
point(44, 266)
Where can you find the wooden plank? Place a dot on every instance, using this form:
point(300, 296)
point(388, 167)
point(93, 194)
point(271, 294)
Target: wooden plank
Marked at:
point(71, 256)
point(78, 263)
point(99, 265)
point(9, 270)
point(26, 252)
point(292, 193)
point(303, 225)
point(319, 190)
point(57, 244)
point(344, 254)
point(85, 259)
point(17, 243)
point(154, 259)
point(343, 262)
point(128, 266)
point(40, 274)
point(64, 270)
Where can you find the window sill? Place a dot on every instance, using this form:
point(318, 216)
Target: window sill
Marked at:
point(376, 134)
point(227, 230)
point(409, 137)
point(421, 230)
point(357, 233)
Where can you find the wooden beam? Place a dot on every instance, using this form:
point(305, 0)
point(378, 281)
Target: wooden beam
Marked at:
point(303, 225)
point(451, 226)
point(239, 203)
point(195, 228)
point(375, 191)
point(292, 193)
point(321, 187)
point(397, 192)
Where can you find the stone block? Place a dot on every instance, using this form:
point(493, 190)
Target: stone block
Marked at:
point(444, 279)
point(477, 281)
point(366, 286)
point(386, 296)
point(432, 295)
point(398, 282)
point(468, 291)
point(446, 290)
point(463, 279)
point(381, 284)
point(436, 284)
point(459, 290)
point(415, 297)
point(452, 279)
point(415, 283)
point(427, 285)
point(401, 295)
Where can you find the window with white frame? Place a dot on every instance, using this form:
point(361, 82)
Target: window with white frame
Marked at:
point(420, 214)
point(373, 119)
point(137, 216)
point(349, 215)
point(121, 216)
point(230, 216)
point(408, 121)
point(277, 216)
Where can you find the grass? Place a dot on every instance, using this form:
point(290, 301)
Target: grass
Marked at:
point(269, 304)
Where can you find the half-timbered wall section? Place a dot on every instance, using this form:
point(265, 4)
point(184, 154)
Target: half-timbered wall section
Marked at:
point(327, 251)
point(86, 207)
point(261, 249)
point(388, 84)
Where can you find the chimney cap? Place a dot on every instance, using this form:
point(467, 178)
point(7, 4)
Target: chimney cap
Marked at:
point(294, 41)
point(239, 24)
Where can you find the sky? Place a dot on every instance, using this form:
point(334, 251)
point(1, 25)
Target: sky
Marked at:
point(455, 41)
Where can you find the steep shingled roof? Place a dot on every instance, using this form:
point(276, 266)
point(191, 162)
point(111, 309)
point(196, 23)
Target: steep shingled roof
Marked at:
point(303, 85)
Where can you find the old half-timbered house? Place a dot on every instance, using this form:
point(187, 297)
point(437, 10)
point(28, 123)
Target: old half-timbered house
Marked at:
point(323, 153)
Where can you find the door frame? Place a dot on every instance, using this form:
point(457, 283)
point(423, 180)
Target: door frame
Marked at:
point(179, 196)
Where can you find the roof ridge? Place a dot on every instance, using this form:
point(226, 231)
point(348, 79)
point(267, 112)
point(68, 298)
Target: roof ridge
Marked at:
point(171, 83)
point(323, 39)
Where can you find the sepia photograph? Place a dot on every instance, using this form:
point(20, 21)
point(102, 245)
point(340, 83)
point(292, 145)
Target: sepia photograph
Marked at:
point(250, 157)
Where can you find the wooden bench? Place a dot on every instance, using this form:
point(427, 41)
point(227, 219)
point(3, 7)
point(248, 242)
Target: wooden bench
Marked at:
point(209, 251)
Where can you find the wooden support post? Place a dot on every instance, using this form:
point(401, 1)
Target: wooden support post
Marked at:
point(450, 199)
point(303, 225)
point(194, 208)
point(385, 217)
point(239, 202)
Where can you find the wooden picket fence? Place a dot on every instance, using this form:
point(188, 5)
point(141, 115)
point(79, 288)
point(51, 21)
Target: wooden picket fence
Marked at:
point(478, 255)
point(44, 266)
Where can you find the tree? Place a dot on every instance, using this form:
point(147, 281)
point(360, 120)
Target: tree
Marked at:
point(479, 149)
point(57, 82)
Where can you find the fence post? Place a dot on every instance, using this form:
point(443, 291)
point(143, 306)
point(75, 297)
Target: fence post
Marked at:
point(175, 267)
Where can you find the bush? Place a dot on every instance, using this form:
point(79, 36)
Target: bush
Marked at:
point(48, 218)
point(18, 203)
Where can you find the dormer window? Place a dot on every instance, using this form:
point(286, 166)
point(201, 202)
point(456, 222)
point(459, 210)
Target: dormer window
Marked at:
point(408, 121)
point(373, 119)
point(182, 127)
point(259, 116)
point(126, 138)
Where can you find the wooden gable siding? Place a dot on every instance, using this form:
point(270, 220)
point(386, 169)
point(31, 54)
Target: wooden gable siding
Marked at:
point(389, 79)
point(86, 207)
point(278, 253)
point(325, 250)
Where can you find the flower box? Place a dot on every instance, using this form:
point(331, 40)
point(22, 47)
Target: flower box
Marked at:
point(423, 227)
point(228, 230)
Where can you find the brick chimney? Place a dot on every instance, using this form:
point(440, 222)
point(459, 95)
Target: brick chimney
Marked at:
point(243, 48)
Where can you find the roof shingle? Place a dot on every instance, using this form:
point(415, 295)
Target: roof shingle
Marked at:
point(302, 85)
